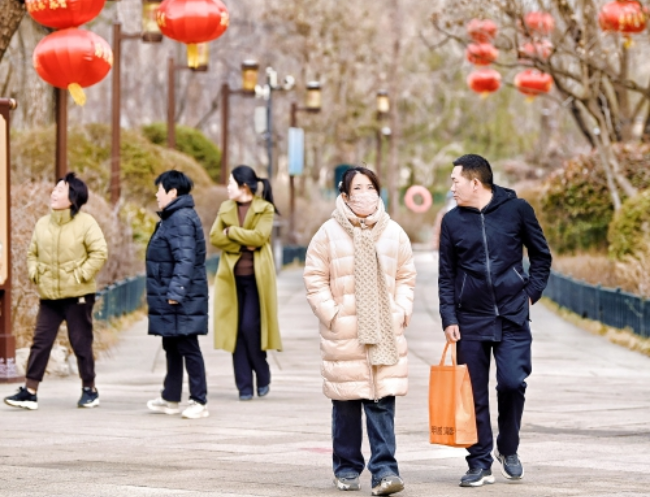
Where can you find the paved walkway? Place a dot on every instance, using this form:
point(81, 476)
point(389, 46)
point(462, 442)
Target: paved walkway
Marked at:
point(585, 430)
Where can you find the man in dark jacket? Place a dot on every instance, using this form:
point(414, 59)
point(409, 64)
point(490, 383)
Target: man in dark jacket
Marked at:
point(177, 294)
point(484, 303)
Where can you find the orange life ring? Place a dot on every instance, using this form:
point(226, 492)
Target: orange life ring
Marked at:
point(409, 199)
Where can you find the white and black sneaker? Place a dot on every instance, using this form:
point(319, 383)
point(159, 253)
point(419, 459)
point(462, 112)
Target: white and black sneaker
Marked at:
point(347, 484)
point(89, 398)
point(476, 477)
point(23, 399)
point(511, 466)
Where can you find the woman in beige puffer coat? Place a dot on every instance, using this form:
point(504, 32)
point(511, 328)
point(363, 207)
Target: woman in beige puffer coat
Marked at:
point(359, 275)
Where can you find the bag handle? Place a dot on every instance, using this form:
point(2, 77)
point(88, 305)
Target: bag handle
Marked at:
point(453, 354)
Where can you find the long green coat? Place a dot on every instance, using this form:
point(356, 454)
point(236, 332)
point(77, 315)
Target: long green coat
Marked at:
point(256, 232)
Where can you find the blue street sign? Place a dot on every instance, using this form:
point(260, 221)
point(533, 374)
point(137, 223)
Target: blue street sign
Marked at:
point(296, 151)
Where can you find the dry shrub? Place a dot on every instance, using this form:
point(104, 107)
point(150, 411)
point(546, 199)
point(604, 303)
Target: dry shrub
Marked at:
point(595, 269)
point(29, 202)
point(208, 199)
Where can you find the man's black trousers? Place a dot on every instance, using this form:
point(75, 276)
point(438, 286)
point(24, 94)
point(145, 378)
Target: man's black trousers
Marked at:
point(513, 365)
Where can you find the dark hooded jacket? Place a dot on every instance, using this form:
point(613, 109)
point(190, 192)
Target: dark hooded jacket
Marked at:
point(481, 275)
point(176, 271)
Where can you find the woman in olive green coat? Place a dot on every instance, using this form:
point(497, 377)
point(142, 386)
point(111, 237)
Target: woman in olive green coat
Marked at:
point(245, 303)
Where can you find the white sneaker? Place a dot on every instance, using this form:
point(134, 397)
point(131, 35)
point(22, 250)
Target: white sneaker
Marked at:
point(195, 411)
point(161, 405)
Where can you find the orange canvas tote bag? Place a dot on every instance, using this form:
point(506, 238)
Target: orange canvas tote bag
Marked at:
point(452, 418)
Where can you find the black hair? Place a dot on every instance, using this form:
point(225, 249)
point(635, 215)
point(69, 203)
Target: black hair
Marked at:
point(475, 166)
point(77, 192)
point(175, 179)
point(245, 175)
point(348, 176)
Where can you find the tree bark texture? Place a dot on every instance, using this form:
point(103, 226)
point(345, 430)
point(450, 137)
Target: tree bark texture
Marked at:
point(11, 13)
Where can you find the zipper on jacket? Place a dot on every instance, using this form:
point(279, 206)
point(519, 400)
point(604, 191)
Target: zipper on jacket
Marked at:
point(517, 273)
point(487, 263)
point(58, 268)
point(462, 289)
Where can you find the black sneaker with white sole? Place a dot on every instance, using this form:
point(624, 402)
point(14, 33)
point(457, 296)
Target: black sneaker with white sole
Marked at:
point(89, 398)
point(476, 477)
point(23, 398)
point(511, 466)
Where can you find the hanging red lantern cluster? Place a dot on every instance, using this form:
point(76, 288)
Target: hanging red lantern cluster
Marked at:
point(626, 17)
point(193, 22)
point(71, 58)
point(482, 53)
point(532, 82)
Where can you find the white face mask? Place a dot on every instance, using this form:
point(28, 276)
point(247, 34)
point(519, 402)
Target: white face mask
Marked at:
point(363, 204)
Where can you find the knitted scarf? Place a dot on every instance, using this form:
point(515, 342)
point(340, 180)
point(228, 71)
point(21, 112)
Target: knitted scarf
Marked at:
point(374, 316)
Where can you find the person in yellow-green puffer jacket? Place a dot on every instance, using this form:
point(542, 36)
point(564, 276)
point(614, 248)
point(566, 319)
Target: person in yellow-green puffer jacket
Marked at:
point(66, 252)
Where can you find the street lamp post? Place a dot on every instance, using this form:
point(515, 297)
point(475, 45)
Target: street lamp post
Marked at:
point(266, 92)
point(198, 65)
point(150, 34)
point(313, 105)
point(249, 70)
point(8, 371)
point(383, 108)
point(61, 110)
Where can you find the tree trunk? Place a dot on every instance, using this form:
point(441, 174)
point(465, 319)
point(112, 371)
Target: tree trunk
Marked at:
point(11, 13)
point(393, 156)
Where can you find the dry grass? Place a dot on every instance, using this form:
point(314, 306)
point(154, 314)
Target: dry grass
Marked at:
point(626, 337)
point(29, 202)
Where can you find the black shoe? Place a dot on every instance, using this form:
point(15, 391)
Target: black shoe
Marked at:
point(245, 396)
point(23, 398)
point(263, 391)
point(511, 466)
point(476, 477)
point(88, 398)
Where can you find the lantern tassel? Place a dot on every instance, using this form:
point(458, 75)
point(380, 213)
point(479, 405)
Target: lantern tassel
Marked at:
point(77, 93)
point(192, 55)
point(628, 42)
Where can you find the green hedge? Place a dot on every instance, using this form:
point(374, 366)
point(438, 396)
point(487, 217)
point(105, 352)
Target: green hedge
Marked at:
point(190, 141)
point(630, 228)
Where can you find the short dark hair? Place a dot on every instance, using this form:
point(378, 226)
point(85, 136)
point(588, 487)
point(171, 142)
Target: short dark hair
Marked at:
point(348, 176)
point(77, 192)
point(175, 179)
point(475, 166)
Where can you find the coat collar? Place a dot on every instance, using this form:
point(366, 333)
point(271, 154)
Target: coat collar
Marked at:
point(258, 205)
point(182, 202)
point(61, 217)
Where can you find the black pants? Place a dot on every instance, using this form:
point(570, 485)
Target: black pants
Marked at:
point(78, 314)
point(177, 349)
point(512, 356)
point(248, 355)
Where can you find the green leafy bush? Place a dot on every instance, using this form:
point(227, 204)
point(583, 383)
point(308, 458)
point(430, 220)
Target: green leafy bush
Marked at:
point(629, 231)
point(576, 208)
point(190, 141)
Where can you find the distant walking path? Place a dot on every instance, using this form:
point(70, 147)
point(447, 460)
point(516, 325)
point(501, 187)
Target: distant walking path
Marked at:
point(585, 429)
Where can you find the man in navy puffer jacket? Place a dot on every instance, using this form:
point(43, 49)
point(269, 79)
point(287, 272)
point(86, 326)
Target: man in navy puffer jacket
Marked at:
point(484, 303)
point(177, 294)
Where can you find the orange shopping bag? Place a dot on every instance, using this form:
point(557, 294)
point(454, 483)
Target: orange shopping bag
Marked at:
point(452, 418)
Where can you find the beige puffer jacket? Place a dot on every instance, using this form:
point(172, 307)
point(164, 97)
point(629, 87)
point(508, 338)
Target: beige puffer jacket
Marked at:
point(329, 279)
point(66, 254)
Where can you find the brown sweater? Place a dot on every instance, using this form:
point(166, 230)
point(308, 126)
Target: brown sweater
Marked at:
point(245, 265)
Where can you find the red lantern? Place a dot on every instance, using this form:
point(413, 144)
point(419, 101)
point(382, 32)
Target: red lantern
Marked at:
point(538, 49)
point(532, 82)
point(625, 17)
point(61, 14)
point(484, 81)
point(481, 54)
point(482, 31)
point(192, 22)
point(539, 23)
point(73, 59)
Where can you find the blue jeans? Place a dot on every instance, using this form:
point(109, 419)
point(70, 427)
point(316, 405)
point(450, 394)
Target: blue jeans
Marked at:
point(347, 436)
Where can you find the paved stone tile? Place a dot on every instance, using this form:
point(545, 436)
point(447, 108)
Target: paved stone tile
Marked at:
point(585, 431)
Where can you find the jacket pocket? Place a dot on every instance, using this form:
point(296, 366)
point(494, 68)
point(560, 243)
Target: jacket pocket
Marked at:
point(520, 276)
point(462, 290)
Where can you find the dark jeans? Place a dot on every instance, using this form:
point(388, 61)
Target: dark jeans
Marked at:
point(347, 436)
point(512, 356)
point(77, 312)
point(248, 355)
point(177, 349)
